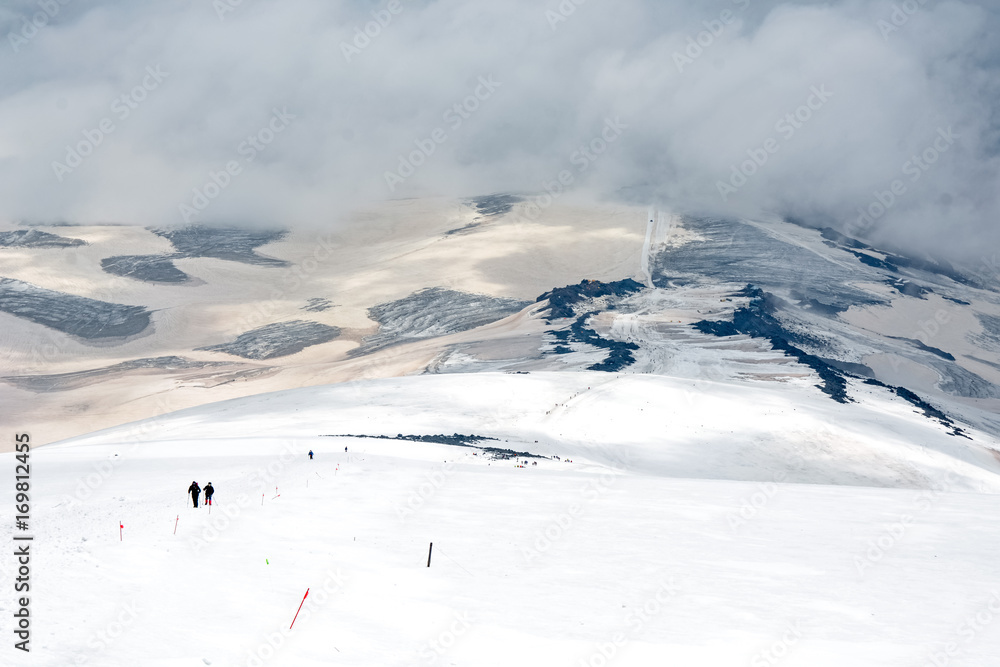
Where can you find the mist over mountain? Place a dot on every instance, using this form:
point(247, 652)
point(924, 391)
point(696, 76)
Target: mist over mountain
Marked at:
point(875, 118)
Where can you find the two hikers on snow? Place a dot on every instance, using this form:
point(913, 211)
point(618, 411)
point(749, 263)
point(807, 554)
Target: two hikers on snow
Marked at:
point(195, 491)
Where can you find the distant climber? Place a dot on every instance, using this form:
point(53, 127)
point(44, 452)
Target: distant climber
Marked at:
point(310, 454)
point(345, 449)
point(209, 490)
point(195, 491)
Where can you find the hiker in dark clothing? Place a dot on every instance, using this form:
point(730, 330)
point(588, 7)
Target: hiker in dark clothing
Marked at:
point(209, 490)
point(195, 491)
point(310, 454)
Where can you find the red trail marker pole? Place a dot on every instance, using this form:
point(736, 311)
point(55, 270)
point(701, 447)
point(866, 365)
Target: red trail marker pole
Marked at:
point(300, 608)
point(121, 527)
point(175, 523)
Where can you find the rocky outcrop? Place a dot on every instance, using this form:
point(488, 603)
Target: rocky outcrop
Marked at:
point(150, 268)
point(318, 304)
point(496, 204)
point(75, 380)
point(277, 340)
point(34, 238)
point(432, 312)
point(74, 315)
point(231, 243)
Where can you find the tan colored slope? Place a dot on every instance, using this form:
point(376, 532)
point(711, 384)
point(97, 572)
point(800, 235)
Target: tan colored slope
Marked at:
point(381, 255)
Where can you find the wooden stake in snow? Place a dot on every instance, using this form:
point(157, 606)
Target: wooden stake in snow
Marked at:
point(300, 608)
point(262, 500)
point(429, 550)
point(175, 523)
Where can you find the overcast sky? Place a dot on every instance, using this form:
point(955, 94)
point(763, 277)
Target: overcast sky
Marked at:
point(669, 97)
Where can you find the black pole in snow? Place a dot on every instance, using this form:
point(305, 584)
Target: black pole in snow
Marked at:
point(429, 550)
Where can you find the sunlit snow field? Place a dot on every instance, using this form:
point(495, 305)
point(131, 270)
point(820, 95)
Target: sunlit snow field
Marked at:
point(628, 553)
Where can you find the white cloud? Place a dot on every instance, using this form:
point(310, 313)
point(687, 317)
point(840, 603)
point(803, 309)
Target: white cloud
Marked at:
point(687, 125)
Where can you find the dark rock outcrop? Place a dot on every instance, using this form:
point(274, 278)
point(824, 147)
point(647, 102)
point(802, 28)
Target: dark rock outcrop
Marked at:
point(277, 340)
point(74, 315)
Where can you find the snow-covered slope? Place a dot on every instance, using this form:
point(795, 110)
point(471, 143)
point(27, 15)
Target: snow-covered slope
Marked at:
point(633, 439)
point(614, 553)
point(664, 426)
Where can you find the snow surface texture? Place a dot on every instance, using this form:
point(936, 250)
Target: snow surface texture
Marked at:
point(671, 426)
point(607, 550)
